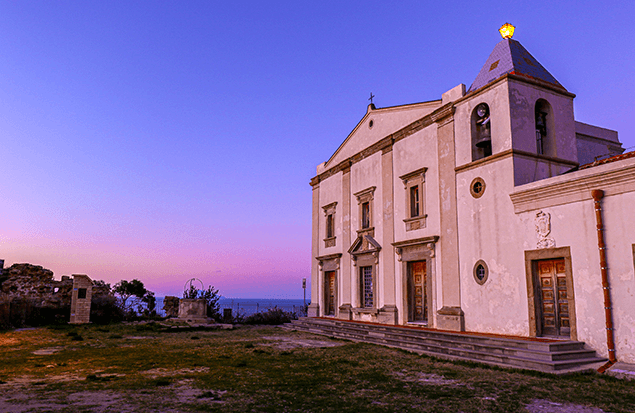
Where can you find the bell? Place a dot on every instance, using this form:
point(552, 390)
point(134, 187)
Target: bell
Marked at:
point(484, 141)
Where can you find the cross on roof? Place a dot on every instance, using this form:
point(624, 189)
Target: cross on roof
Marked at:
point(371, 97)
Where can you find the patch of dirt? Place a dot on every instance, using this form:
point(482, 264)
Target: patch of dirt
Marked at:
point(185, 393)
point(288, 343)
point(16, 398)
point(546, 406)
point(161, 372)
point(139, 337)
point(20, 381)
point(105, 400)
point(425, 378)
point(47, 351)
point(8, 341)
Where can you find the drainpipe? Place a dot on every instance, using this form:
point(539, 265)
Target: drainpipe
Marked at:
point(597, 195)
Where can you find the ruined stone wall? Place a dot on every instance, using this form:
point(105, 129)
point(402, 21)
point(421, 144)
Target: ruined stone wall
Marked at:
point(171, 306)
point(36, 283)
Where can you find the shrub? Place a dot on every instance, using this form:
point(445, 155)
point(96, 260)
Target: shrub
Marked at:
point(273, 316)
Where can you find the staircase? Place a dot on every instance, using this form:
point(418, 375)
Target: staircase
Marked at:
point(541, 354)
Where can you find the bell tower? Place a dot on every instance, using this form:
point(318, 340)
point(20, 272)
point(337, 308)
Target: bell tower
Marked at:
point(516, 108)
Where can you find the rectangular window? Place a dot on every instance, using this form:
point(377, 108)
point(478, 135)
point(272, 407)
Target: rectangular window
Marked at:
point(81, 293)
point(414, 201)
point(414, 209)
point(329, 226)
point(367, 283)
point(366, 215)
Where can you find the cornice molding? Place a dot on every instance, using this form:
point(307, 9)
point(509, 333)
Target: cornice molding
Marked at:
point(576, 188)
point(514, 152)
point(520, 78)
point(416, 241)
point(328, 257)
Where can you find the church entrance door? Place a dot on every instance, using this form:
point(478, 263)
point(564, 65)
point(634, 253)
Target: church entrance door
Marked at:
point(329, 305)
point(417, 296)
point(554, 305)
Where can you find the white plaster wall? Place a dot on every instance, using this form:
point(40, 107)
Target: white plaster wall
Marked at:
point(365, 174)
point(417, 151)
point(589, 148)
point(385, 122)
point(528, 169)
point(331, 191)
point(522, 101)
point(619, 222)
point(574, 225)
point(488, 231)
point(497, 98)
point(414, 152)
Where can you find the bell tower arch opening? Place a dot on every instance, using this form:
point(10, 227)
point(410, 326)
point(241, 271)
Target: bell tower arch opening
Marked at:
point(544, 123)
point(481, 132)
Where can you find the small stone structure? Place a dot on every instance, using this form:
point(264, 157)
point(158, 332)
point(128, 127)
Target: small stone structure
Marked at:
point(171, 306)
point(81, 299)
point(194, 310)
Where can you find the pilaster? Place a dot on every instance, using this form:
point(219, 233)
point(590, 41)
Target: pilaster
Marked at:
point(314, 307)
point(450, 316)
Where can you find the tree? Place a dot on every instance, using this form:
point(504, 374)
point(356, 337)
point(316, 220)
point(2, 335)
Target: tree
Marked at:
point(126, 289)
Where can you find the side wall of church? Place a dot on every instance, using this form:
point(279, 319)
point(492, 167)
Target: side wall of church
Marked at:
point(573, 225)
point(487, 233)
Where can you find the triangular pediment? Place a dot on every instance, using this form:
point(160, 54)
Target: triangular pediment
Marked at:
point(509, 56)
point(376, 125)
point(364, 244)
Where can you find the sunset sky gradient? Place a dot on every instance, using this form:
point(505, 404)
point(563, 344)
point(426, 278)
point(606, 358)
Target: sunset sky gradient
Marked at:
point(165, 140)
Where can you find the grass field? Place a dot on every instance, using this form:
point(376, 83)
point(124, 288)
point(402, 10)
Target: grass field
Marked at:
point(137, 368)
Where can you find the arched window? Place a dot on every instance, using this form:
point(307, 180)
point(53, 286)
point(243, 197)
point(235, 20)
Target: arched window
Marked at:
point(545, 142)
point(481, 132)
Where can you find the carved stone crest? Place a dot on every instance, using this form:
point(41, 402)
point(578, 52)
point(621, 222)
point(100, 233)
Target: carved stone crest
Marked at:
point(543, 229)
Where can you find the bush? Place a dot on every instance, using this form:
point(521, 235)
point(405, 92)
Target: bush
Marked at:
point(104, 310)
point(273, 316)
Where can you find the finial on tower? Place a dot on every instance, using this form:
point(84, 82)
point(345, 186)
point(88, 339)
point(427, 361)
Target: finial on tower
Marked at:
point(507, 31)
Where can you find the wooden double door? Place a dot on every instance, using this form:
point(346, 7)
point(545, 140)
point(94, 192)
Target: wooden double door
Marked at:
point(329, 293)
point(553, 298)
point(417, 292)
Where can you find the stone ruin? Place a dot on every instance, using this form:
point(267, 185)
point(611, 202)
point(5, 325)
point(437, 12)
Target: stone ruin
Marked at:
point(190, 310)
point(35, 284)
point(171, 306)
point(194, 311)
point(81, 299)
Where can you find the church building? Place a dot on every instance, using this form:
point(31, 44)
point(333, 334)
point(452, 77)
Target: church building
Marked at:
point(489, 210)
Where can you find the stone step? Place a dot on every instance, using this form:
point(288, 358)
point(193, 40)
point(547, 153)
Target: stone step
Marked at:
point(543, 355)
point(569, 350)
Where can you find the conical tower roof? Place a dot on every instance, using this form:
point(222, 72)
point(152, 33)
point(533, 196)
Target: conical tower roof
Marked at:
point(509, 56)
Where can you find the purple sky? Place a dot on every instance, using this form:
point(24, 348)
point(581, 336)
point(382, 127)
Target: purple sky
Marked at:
point(165, 140)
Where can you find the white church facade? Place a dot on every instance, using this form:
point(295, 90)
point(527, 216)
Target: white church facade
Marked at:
point(479, 212)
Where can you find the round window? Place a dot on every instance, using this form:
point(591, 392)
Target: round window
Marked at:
point(477, 187)
point(481, 273)
point(371, 123)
